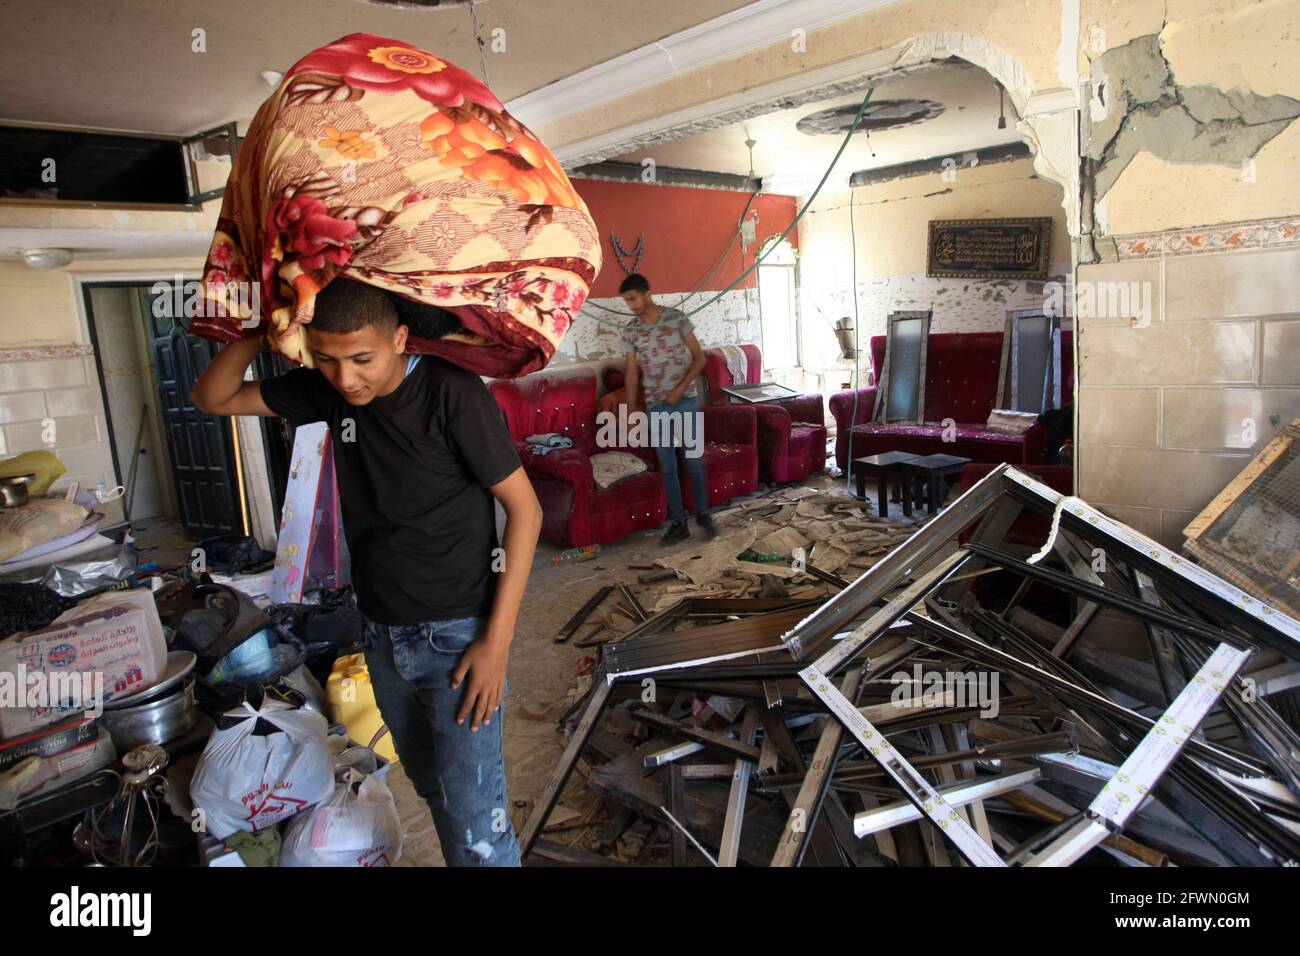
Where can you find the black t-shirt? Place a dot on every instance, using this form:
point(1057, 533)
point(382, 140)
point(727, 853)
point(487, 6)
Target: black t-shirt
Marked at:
point(413, 482)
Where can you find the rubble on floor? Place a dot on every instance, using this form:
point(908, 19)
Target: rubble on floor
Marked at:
point(1019, 681)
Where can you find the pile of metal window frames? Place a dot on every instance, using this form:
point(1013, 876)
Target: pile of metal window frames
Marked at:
point(1231, 804)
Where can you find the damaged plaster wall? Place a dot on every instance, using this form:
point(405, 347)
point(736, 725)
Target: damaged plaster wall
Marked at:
point(1028, 34)
point(1192, 112)
point(1192, 125)
point(731, 320)
point(891, 221)
point(1139, 106)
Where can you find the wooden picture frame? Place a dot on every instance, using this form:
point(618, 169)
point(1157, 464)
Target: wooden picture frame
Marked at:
point(989, 248)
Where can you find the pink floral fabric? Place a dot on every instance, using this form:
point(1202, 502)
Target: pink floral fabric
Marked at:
point(382, 162)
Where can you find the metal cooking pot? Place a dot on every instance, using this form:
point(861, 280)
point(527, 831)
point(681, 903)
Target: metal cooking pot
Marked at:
point(14, 491)
point(156, 721)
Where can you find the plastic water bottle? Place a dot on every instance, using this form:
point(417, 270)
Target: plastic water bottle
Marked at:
point(577, 554)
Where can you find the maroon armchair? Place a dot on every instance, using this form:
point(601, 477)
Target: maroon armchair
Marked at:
point(574, 511)
point(730, 449)
point(961, 383)
point(791, 434)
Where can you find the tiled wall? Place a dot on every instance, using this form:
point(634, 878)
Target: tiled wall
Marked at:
point(57, 384)
point(1172, 405)
point(60, 383)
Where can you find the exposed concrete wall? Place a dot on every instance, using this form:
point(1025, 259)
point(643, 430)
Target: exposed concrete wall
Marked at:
point(1192, 112)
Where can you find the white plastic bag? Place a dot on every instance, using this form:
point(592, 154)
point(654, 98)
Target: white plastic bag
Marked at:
point(358, 829)
point(249, 783)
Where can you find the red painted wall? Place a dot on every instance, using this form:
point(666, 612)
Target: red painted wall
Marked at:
point(686, 230)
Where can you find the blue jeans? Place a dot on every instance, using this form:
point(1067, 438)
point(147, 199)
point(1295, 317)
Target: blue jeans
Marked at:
point(459, 773)
point(668, 462)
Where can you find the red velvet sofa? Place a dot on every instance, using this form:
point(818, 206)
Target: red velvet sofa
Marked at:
point(730, 449)
point(791, 434)
point(961, 383)
point(574, 511)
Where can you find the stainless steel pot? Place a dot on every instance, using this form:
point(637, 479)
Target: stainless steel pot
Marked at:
point(14, 491)
point(156, 721)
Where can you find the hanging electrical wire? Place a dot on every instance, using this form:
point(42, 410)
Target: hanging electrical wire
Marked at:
point(758, 261)
point(857, 357)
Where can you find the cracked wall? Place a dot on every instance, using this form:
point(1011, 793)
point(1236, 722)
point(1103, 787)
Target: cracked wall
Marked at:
point(1192, 115)
point(1191, 125)
point(1140, 107)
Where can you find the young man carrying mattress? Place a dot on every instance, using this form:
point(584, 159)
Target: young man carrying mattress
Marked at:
point(421, 452)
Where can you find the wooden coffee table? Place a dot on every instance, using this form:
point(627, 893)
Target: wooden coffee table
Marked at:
point(881, 467)
point(932, 470)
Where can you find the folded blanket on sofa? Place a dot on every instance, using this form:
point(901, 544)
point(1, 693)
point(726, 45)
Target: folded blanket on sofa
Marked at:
point(737, 364)
point(613, 466)
point(547, 442)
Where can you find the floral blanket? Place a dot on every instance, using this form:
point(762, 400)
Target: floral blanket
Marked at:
point(389, 165)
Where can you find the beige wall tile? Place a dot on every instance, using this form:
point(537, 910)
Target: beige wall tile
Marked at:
point(1174, 522)
point(1281, 353)
point(1104, 287)
point(22, 407)
point(1192, 353)
point(1228, 418)
point(67, 432)
point(1119, 416)
point(93, 459)
point(25, 436)
point(43, 374)
point(1145, 520)
point(1232, 285)
point(85, 400)
point(1155, 478)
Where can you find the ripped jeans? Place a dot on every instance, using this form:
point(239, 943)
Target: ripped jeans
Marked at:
point(459, 773)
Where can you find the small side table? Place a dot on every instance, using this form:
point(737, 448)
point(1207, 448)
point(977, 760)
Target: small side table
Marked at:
point(932, 469)
point(881, 467)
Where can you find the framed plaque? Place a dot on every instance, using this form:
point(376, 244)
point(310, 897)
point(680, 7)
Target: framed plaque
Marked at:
point(989, 248)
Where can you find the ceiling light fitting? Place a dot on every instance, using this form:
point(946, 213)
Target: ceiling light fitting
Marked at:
point(47, 258)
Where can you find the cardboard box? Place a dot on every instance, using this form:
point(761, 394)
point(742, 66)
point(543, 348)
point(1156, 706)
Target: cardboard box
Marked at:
point(110, 645)
point(48, 741)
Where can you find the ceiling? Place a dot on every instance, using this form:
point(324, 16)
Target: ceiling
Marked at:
point(108, 243)
point(788, 158)
point(128, 64)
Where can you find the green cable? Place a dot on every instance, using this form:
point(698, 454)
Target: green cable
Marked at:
point(857, 120)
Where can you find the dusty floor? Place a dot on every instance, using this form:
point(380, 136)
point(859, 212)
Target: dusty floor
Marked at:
point(163, 540)
point(541, 671)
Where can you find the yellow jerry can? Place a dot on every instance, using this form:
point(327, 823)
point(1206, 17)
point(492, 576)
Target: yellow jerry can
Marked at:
point(351, 700)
